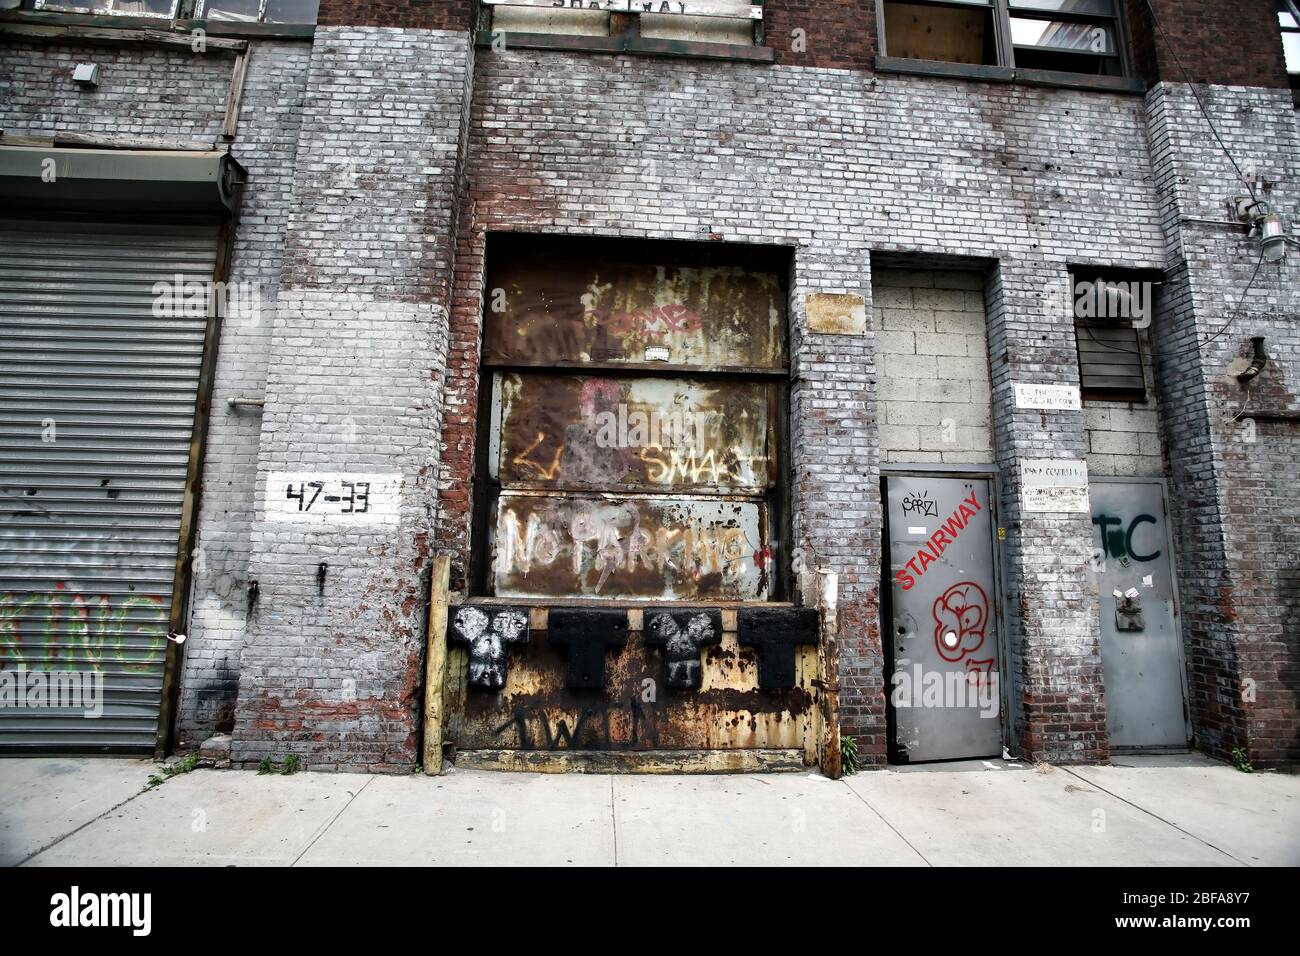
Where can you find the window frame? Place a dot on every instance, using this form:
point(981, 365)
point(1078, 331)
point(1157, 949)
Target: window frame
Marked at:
point(1004, 42)
point(1143, 347)
point(54, 6)
point(201, 13)
point(1293, 76)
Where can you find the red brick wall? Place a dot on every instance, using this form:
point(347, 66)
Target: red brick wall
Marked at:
point(837, 34)
point(1229, 43)
point(411, 14)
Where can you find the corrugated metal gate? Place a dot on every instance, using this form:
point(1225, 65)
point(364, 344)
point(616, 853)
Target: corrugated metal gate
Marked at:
point(98, 386)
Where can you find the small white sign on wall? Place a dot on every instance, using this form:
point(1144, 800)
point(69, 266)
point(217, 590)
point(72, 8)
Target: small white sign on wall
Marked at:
point(1054, 485)
point(1052, 397)
point(338, 499)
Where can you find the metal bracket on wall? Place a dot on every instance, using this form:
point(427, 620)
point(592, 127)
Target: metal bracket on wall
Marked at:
point(777, 632)
point(487, 631)
point(683, 636)
point(587, 634)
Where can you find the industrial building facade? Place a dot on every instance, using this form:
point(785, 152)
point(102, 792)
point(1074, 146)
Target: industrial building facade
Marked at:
point(552, 385)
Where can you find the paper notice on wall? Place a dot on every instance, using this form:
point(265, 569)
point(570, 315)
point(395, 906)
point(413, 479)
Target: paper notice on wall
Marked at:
point(338, 499)
point(1054, 485)
point(1052, 397)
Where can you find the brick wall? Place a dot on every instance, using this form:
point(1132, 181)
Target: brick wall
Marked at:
point(1233, 476)
point(816, 161)
point(357, 351)
point(1229, 44)
point(397, 14)
point(266, 144)
point(138, 94)
point(178, 95)
point(932, 353)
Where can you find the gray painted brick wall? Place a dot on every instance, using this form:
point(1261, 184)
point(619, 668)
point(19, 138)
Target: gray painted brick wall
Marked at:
point(818, 161)
point(266, 145)
point(356, 357)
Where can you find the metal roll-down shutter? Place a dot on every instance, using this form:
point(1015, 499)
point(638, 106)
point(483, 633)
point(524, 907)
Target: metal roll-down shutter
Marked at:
point(97, 409)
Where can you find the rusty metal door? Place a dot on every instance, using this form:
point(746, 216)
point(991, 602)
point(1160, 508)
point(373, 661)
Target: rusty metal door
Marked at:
point(1141, 642)
point(945, 681)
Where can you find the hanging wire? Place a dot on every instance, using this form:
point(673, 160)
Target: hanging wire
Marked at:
point(1199, 102)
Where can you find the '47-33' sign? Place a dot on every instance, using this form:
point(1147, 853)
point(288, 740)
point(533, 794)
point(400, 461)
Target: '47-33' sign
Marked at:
point(333, 498)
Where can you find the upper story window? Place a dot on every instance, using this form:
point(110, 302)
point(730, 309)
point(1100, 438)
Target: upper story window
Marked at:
point(234, 11)
point(1066, 36)
point(733, 22)
point(259, 11)
point(122, 8)
point(1288, 17)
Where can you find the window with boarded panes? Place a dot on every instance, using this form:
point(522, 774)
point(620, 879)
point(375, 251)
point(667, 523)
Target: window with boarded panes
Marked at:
point(1108, 315)
point(634, 398)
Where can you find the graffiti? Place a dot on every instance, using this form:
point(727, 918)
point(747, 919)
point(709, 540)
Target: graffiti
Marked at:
point(663, 432)
point(62, 625)
point(947, 534)
point(487, 632)
point(920, 505)
point(683, 637)
point(961, 615)
point(613, 538)
point(1117, 542)
point(654, 322)
point(611, 726)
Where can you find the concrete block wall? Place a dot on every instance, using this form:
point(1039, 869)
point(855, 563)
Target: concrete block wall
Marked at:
point(1124, 438)
point(817, 161)
point(932, 347)
point(331, 670)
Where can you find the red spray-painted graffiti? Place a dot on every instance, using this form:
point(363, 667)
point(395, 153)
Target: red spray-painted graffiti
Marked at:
point(931, 551)
point(961, 615)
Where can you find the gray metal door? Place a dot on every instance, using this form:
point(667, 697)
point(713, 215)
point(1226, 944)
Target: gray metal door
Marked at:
point(945, 686)
point(1141, 643)
point(97, 405)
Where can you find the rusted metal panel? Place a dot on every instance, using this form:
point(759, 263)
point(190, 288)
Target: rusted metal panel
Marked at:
point(657, 434)
point(535, 711)
point(546, 310)
point(616, 547)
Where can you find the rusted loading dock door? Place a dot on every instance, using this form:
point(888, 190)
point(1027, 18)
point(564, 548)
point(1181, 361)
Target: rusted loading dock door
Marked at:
point(945, 685)
point(535, 719)
point(631, 464)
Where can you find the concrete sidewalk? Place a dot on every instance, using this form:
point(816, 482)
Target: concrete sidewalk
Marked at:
point(1143, 811)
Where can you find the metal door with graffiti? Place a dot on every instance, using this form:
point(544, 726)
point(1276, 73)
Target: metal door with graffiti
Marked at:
point(1141, 643)
point(944, 688)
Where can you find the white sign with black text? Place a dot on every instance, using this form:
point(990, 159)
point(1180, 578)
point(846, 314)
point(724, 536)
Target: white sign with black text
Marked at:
point(334, 498)
point(1054, 485)
point(1061, 398)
